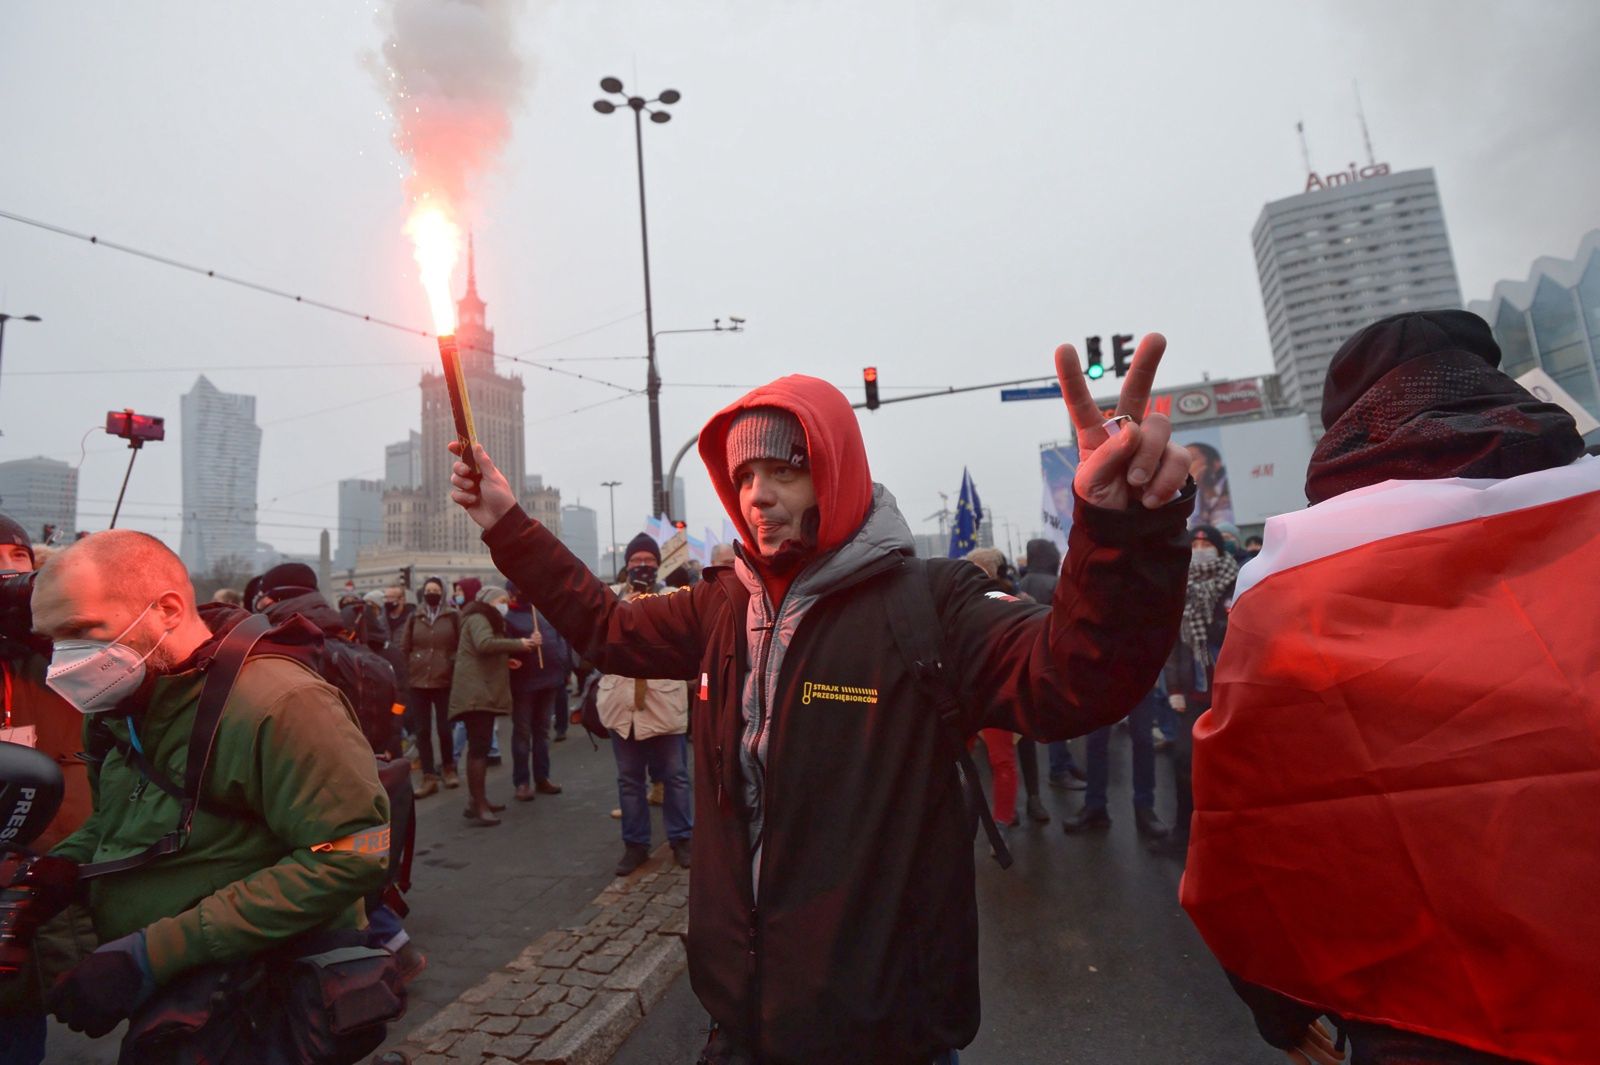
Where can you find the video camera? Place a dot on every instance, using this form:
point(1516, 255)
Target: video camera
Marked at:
point(16, 614)
point(33, 887)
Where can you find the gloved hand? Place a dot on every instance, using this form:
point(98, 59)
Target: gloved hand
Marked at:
point(104, 988)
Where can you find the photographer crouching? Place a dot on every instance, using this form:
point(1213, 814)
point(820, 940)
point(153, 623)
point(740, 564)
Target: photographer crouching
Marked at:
point(34, 716)
point(238, 820)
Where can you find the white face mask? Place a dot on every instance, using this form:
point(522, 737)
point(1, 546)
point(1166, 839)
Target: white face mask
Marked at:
point(503, 607)
point(1202, 553)
point(95, 675)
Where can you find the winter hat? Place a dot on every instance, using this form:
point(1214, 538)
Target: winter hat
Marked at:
point(1227, 529)
point(1210, 535)
point(487, 592)
point(14, 534)
point(643, 542)
point(1390, 342)
point(469, 588)
point(290, 576)
point(766, 433)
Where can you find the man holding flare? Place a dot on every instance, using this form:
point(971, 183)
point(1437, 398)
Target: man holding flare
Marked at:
point(832, 911)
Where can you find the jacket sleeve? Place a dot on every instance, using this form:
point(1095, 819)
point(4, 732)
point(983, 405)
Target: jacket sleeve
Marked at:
point(656, 636)
point(1087, 660)
point(477, 638)
point(313, 782)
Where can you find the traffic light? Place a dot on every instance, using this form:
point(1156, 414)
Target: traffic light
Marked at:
point(1097, 365)
point(680, 525)
point(135, 428)
point(1121, 354)
point(405, 576)
point(869, 377)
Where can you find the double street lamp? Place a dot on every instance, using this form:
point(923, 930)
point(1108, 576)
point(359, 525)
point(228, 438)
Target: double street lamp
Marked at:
point(639, 105)
point(4, 318)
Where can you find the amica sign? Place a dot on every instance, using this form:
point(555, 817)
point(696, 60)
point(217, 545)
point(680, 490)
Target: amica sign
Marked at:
point(1347, 177)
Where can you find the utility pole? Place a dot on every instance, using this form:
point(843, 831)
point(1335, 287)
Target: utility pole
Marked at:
point(611, 487)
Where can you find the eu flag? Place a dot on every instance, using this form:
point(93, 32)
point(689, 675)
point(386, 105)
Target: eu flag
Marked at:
point(969, 515)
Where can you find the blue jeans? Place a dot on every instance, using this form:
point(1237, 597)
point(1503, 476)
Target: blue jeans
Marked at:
point(458, 739)
point(530, 733)
point(1144, 757)
point(664, 757)
point(22, 1039)
point(1060, 759)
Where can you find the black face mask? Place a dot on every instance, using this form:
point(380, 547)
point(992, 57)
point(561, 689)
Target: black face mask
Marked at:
point(432, 598)
point(642, 577)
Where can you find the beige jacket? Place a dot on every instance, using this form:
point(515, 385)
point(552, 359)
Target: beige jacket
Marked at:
point(637, 709)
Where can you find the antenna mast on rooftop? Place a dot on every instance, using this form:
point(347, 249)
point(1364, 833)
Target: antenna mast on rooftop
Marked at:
point(1305, 151)
point(1361, 113)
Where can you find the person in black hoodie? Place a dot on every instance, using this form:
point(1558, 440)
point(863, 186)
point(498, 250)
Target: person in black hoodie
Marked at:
point(538, 694)
point(833, 915)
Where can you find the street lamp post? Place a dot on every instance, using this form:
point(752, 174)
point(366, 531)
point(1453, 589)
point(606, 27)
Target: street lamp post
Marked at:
point(4, 318)
point(611, 486)
point(639, 106)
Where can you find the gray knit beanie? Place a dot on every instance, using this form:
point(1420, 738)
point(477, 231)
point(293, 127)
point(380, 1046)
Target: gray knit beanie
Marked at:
point(766, 433)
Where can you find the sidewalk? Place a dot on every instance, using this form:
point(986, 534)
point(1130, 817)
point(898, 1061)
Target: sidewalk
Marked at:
point(480, 896)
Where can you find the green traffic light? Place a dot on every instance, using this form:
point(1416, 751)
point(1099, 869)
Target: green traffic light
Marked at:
point(1096, 371)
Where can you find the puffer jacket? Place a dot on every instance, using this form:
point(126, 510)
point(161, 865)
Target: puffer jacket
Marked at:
point(482, 678)
point(640, 709)
point(858, 942)
point(1044, 562)
point(430, 643)
point(290, 771)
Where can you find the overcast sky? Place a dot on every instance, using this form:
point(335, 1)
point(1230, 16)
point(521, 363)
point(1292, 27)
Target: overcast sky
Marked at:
point(944, 190)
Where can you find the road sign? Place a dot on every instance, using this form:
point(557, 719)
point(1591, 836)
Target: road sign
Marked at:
point(1008, 395)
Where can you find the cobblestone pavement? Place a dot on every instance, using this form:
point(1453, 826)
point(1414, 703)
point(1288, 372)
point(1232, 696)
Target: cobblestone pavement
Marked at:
point(480, 896)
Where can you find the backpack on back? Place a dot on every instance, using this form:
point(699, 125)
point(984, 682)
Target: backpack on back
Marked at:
point(367, 679)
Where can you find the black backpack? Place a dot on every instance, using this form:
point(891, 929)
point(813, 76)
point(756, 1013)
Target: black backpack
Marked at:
point(367, 679)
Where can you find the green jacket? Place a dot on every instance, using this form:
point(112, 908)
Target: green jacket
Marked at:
point(482, 678)
point(290, 759)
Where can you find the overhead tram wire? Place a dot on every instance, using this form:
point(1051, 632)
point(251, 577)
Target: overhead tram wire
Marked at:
point(269, 290)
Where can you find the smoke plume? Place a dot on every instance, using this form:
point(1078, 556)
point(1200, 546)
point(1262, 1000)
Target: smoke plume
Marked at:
point(452, 76)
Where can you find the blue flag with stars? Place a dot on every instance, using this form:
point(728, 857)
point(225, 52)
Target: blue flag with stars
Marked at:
point(969, 515)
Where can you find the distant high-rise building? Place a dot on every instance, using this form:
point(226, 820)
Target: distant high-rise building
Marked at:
point(221, 448)
point(580, 531)
point(361, 519)
point(542, 504)
point(402, 464)
point(679, 511)
point(497, 417)
point(40, 492)
point(1355, 248)
point(1552, 321)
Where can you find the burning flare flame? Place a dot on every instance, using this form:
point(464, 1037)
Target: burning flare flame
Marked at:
point(436, 243)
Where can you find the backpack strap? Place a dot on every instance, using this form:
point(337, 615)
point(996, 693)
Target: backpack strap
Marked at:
point(915, 621)
point(221, 673)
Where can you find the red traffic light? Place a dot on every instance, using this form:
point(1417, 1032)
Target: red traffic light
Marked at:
point(869, 376)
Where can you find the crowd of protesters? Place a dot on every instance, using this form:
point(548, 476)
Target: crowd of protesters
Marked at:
point(829, 690)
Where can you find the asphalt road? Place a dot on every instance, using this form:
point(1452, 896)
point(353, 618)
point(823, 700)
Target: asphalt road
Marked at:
point(1085, 956)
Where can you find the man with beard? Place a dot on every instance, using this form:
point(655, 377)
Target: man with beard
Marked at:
point(291, 827)
point(833, 915)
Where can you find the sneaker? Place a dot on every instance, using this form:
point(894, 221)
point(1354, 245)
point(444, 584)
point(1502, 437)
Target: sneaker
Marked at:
point(633, 856)
point(1087, 820)
point(680, 852)
point(1036, 810)
point(412, 962)
point(1149, 825)
point(1067, 783)
point(429, 786)
point(450, 778)
point(658, 792)
point(547, 787)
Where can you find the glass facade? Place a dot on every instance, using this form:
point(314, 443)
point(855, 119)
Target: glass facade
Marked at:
point(1551, 321)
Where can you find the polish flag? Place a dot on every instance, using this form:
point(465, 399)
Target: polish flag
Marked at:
point(1397, 791)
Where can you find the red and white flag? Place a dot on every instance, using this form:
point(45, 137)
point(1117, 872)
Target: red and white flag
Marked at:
point(1397, 790)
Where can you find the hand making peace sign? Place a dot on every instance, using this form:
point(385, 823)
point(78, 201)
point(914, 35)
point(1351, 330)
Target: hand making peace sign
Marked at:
point(1138, 462)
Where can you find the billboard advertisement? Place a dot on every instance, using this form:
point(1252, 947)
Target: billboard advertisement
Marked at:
point(1248, 471)
point(1245, 472)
